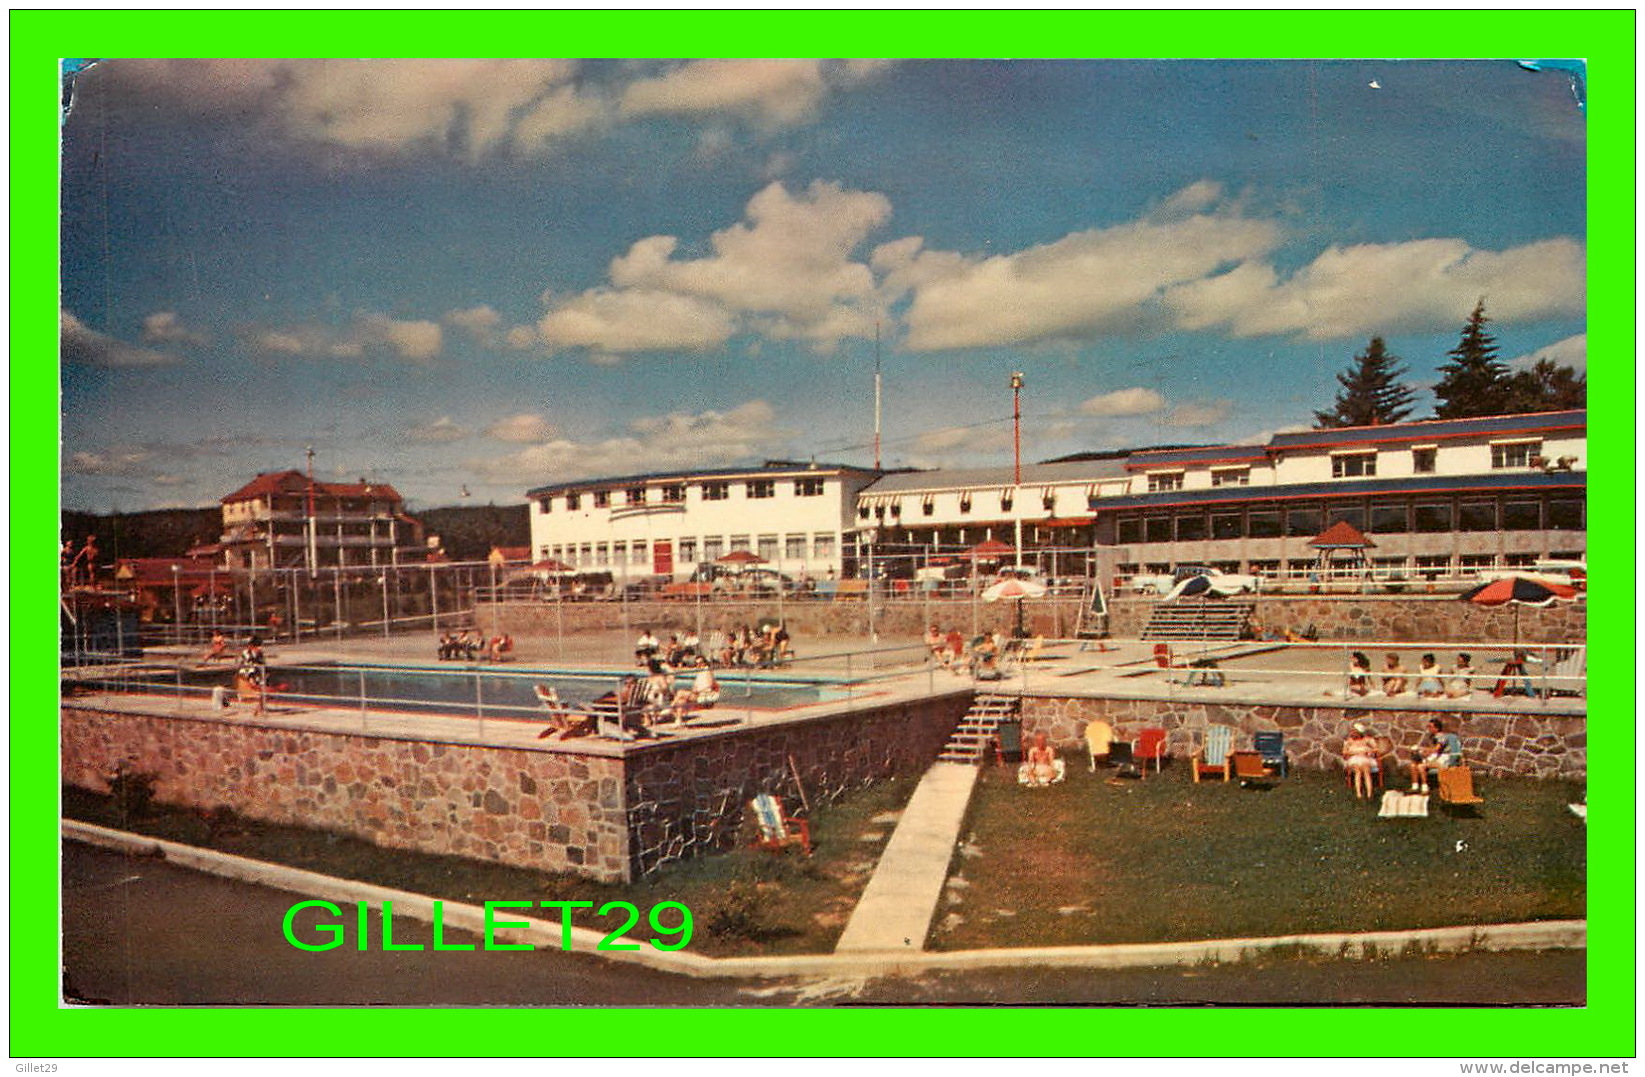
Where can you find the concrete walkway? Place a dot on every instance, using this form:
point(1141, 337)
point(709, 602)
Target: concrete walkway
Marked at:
point(895, 911)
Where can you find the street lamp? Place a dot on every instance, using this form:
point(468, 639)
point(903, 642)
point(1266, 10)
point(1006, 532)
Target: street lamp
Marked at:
point(1016, 450)
point(177, 602)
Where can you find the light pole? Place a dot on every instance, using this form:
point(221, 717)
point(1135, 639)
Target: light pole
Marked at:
point(177, 602)
point(1016, 452)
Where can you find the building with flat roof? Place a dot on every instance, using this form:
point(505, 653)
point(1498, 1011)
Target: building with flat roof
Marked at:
point(1437, 497)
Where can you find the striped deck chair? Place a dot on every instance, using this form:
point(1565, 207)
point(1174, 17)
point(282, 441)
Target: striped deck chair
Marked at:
point(1211, 754)
point(777, 831)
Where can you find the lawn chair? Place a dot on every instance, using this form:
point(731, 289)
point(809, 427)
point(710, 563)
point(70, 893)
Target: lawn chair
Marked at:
point(777, 831)
point(562, 720)
point(1099, 741)
point(1150, 744)
point(1456, 789)
point(1270, 744)
point(1008, 743)
point(1211, 757)
point(1250, 769)
point(1568, 673)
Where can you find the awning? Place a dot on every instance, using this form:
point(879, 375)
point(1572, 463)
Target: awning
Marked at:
point(1076, 521)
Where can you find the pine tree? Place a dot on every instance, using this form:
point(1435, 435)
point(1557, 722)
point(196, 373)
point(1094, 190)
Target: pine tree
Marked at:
point(1372, 393)
point(1475, 381)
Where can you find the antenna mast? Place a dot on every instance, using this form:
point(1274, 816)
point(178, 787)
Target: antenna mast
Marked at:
point(876, 396)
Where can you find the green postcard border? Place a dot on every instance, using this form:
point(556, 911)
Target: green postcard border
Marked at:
point(39, 1028)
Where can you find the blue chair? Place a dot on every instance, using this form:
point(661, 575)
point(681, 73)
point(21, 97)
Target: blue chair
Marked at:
point(1270, 743)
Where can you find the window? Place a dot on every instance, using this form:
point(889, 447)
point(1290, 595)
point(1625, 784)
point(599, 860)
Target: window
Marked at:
point(716, 491)
point(1521, 516)
point(1191, 528)
point(545, 504)
point(1157, 528)
point(1565, 515)
point(1514, 453)
point(1518, 560)
point(639, 557)
point(713, 549)
point(587, 553)
point(862, 512)
point(794, 547)
point(602, 553)
point(545, 551)
point(1227, 525)
point(762, 488)
point(1304, 523)
point(1352, 515)
point(739, 542)
point(1264, 568)
point(879, 512)
point(688, 551)
point(1263, 525)
point(1388, 566)
point(602, 499)
point(1476, 516)
point(1353, 465)
point(1230, 476)
point(1164, 480)
point(928, 507)
point(1129, 530)
point(1049, 503)
point(1006, 501)
point(1434, 565)
point(1473, 562)
point(896, 508)
point(1390, 519)
point(768, 547)
point(573, 502)
point(808, 487)
point(1424, 459)
point(1431, 518)
point(636, 495)
point(822, 544)
point(674, 493)
point(965, 503)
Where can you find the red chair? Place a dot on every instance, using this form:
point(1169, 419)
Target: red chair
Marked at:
point(1150, 744)
point(1162, 655)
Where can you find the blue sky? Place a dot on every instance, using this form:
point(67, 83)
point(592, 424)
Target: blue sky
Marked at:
point(488, 275)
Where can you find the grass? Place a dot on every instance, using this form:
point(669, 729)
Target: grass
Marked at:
point(1100, 860)
point(742, 902)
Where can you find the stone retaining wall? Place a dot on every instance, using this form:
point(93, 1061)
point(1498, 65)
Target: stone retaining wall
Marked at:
point(608, 817)
point(559, 812)
point(1394, 618)
point(1538, 746)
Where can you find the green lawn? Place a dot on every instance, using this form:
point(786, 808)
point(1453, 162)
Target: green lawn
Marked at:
point(743, 902)
point(1100, 860)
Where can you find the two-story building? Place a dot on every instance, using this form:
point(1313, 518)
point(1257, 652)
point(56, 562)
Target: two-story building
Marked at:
point(283, 519)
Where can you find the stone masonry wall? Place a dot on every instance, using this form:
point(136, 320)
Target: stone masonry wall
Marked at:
point(688, 797)
point(553, 811)
point(1539, 746)
point(1424, 618)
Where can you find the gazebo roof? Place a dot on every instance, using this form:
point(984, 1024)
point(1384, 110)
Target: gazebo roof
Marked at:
point(1342, 535)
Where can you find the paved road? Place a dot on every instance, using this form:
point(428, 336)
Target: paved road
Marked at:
point(141, 931)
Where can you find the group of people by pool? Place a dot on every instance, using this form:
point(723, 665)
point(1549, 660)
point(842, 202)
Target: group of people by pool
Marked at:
point(765, 648)
point(1362, 753)
point(982, 661)
point(1430, 680)
point(471, 646)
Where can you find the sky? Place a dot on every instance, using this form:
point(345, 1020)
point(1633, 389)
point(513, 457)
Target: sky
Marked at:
point(468, 278)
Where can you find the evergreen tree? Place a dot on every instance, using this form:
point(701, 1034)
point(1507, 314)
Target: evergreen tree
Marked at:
point(1547, 386)
point(1372, 393)
point(1475, 381)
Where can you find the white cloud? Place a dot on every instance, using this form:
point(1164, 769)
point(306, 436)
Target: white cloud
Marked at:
point(522, 337)
point(418, 341)
point(110, 462)
point(785, 270)
point(1194, 415)
point(84, 345)
point(1571, 352)
point(1134, 401)
point(1073, 287)
point(480, 322)
point(1424, 284)
point(412, 340)
point(165, 327)
point(775, 93)
point(678, 439)
point(523, 429)
point(438, 432)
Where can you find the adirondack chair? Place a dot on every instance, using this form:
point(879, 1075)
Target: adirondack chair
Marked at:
point(1456, 789)
point(1249, 768)
point(1150, 744)
point(1008, 743)
point(1270, 743)
point(562, 720)
point(1099, 741)
point(777, 830)
point(1211, 755)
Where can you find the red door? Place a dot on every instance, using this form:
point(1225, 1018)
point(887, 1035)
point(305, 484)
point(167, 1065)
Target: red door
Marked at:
point(662, 558)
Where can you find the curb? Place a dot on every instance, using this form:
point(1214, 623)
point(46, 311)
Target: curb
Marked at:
point(541, 934)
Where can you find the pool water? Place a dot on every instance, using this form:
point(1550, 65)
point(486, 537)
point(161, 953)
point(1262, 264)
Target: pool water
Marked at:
point(437, 690)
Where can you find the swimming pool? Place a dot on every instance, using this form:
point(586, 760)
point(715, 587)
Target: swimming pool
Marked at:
point(504, 693)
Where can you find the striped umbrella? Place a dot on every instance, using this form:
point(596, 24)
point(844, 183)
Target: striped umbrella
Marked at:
point(1518, 591)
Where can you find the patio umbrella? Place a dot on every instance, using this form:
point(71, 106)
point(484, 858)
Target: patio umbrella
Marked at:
point(741, 557)
point(1018, 589)
point(1518, 591)
point(991, 550)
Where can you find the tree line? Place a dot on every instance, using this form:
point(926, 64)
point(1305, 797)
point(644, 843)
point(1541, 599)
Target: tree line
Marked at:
point(1473, 382)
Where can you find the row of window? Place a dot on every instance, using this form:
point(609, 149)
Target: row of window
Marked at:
point(928, 506)
point(1375, 518)
point(674, 493)
point(1362, 464)
point(1440, 564)
point(793, 547)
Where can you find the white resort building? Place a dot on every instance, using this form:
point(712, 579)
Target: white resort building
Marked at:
point(1437, 497)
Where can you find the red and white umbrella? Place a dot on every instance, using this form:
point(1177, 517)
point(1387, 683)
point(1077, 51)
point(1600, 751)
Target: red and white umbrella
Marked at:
point(1014, 587)
point(1518, 591)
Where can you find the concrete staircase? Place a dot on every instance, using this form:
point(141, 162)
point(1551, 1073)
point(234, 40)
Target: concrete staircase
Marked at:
point(975, 733)
point(1200, 619)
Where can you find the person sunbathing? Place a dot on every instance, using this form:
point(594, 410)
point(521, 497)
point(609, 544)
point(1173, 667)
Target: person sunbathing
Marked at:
point(1359, 756)
point(1040, 765)
point(1394, 682)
